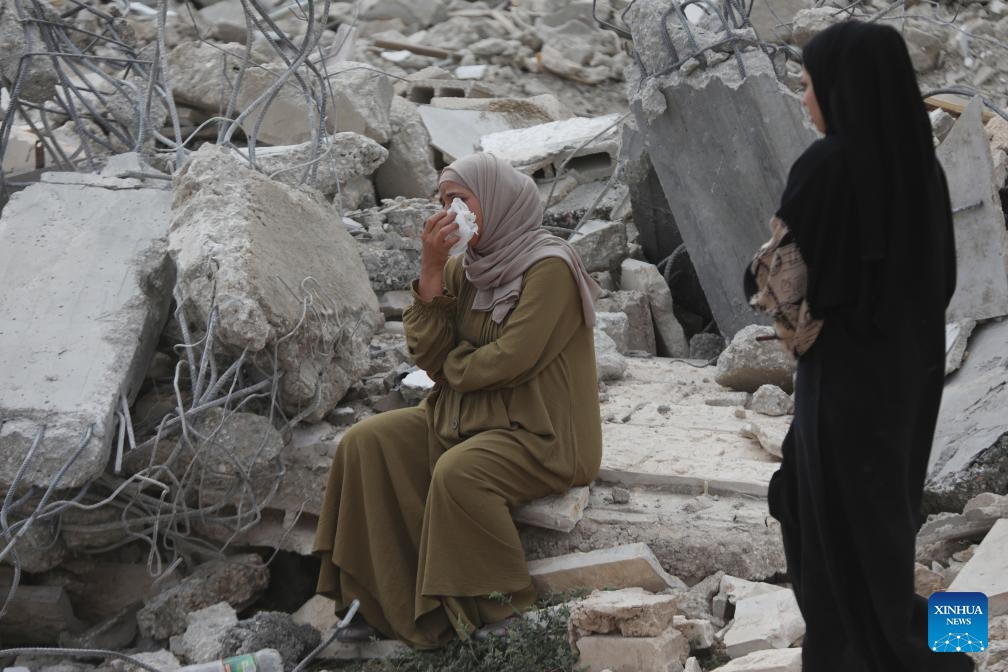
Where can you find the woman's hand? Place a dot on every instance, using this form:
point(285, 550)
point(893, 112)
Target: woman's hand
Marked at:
point(439, 234)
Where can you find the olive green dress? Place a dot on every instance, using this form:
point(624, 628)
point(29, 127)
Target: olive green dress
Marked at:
point(416, 521)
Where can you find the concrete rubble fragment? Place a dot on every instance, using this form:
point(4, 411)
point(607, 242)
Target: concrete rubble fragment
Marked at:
point(261, 275)
point(610, 364)
point(769, 660)
point(637, 308)
point(162, 660)
point(769, 620)
point(600, 244)
point(271, 630)
point(770, 438)
point(205, 627)
point(236, 580)
point(644, 277)
point(343, 157)
point(748, 363)
point(699, 632)
point(663, 653)
point(981, 239)
point(554, 512)
point(409, 170)
point(987, 570)
point(61, 367)
point(617, 326)
point(956, 340)
point(771, 400)
point(627, 566)
point(632, 612)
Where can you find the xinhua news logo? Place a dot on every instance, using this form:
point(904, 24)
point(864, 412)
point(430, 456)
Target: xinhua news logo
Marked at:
point(957, 622)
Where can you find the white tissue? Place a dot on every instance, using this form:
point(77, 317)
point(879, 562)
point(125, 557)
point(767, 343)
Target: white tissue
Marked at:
point(466, 221)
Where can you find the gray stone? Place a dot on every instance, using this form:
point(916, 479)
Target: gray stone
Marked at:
point(981, 239)
point(409, 170)
point(971, 437)
point(690, 123)
point(196, 69)
point(609, 363)
point(771, 400)
point(601, 245)
point(227, 21)
point(588, 146)
point(342, 157)
point(363, 99)
point(237, 250)
point(746, 364)
point(644, 277)
point(635, 305)
point(956, 339)
point(665, 653)
point(389, 270)
point(617, 326)
point(61, 366)
point(201, 641)
point(771, 440)
point(236, 580)
point(706, 346)
point(40, 548)
point(271, 630)
point(699, 632)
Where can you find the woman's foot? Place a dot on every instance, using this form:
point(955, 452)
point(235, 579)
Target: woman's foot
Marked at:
point(358, 631)
point(498, 630)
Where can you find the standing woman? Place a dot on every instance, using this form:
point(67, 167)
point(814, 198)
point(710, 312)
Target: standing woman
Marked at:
point(868, 207)
point(416, 520)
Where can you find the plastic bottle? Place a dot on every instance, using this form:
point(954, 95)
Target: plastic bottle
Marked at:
point(266, 660)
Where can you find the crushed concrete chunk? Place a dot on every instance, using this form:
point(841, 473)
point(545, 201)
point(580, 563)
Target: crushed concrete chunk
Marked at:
point(635, 305)
point(409, 170)
point(770, 620)
point(770, 660)
point(342, 158)
point(201, 641)
point(770, 437)
point(644, 277)
point(665, 653)
point(601, 245)
point(747, 363)
point(771, 400)
point(956, 339)
point(617, 326)
point(633, 612)
point(610, 364)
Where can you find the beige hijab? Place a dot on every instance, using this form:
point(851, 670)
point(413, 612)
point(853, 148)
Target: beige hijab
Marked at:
point(512, 238)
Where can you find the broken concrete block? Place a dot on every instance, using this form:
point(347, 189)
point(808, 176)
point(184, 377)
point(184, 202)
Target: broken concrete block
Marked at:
point(546, 146)
point(927, 581)
point(555, 512)
point(981, 239)
point(601, 245)
point(160, 660)
point(197, 69)
point(236, 580)
point(227, 21)
point(570, 202)
point(633, 612)
point(732, 589)
point(771, 400)
point(748, 363)
point(644, 277)
point(456, 133)
point(424, 91)
point(699, 632)
point(523, 112)
point(609, 363)
point(390, 269)
point(665, 653)
point(341, 158)
point(692, 665)
point(770, 660)
point(636, 307)
point(271, 630)
point(319, 612)
point(808, 22)
point(771, 620)
point(201, 641)
point(39, 549)
point(627, 566)
point(987, 571)
point(691, 120)
point(617, 326)
point(956, 339)
point(970, 443)
point(770, 438)
point(38, 77)
point(409, 170)
point(237, 251)
point(61, 367)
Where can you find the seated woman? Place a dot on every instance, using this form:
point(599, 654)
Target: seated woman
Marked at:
point(416, 521)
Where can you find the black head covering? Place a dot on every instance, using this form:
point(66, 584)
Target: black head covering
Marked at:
point(868, 203)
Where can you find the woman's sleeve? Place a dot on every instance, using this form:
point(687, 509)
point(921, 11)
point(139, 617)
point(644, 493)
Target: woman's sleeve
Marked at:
point(430, 327)
point(541, 325)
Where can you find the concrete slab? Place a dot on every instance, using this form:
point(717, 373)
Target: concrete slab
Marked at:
point(546, 146)
point(556, 512)
point(771, 660)
point(627, 566)
point(722, 149)
point(456, 133)
point(987, 571)
point(641, 276)
point(956, 339)
point(85, 284)
point(971, 418)
point(664, 653)
point(659, 431)
point(981, 239)
point(693, 537)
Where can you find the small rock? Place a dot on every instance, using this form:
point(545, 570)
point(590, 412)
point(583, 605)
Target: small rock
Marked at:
point(271, 630)
point(611, 365)
point(620, 496)
point(747, 363)
point(771, 400)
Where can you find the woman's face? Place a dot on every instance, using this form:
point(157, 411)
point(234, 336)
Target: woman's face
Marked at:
point(811, 104)
point(449, 191)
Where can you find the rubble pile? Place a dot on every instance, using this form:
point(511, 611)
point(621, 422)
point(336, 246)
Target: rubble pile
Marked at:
point(210, 227)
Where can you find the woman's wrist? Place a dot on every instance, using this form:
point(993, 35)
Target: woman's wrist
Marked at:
point(431, 283)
